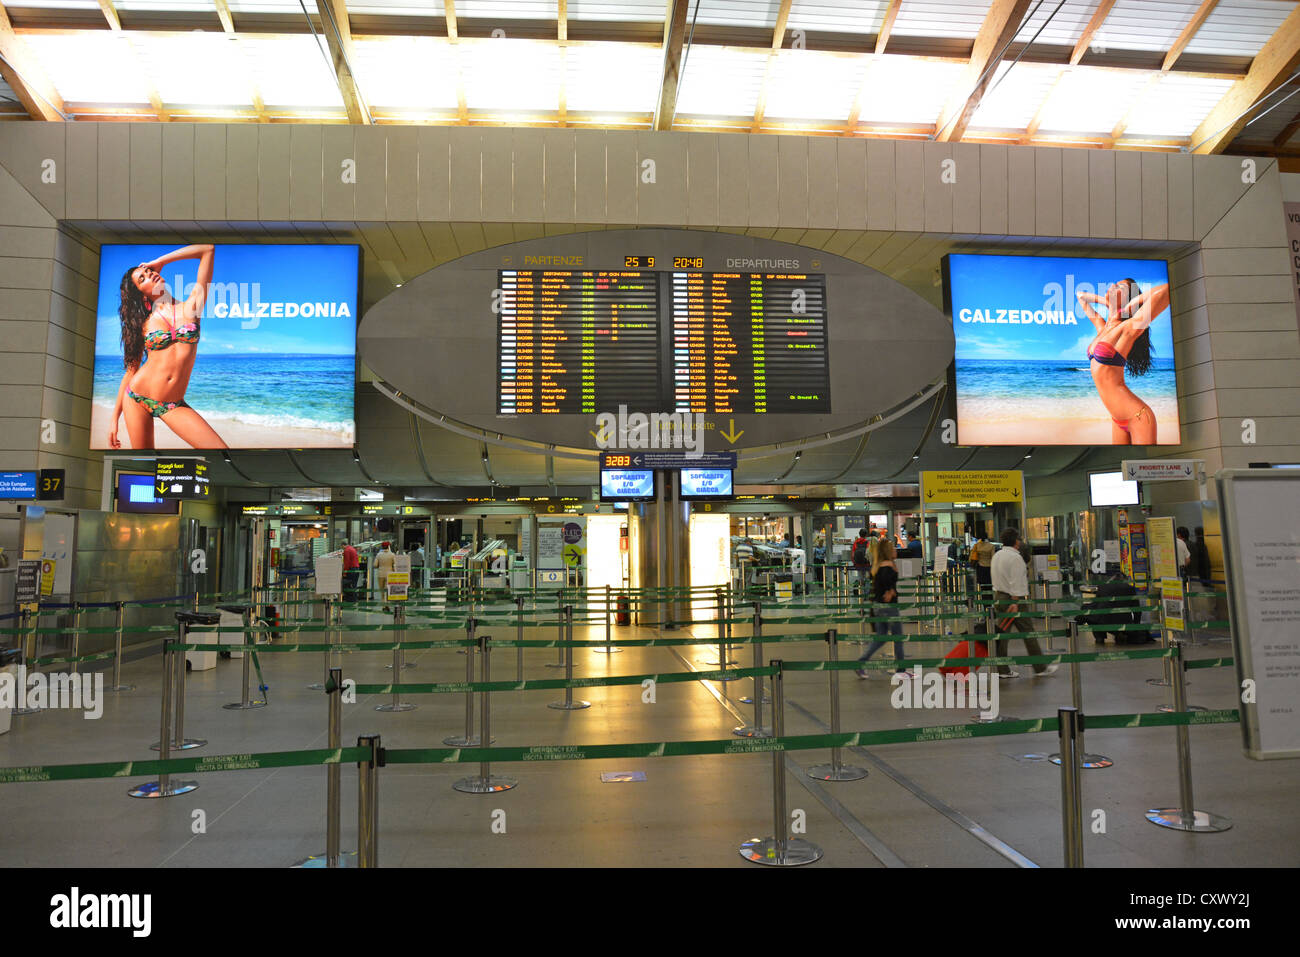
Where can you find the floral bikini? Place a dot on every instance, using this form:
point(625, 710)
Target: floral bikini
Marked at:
point(154, 342)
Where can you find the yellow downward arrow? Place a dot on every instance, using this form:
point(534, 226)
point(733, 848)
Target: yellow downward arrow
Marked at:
point(732, 434)
point(602, 436)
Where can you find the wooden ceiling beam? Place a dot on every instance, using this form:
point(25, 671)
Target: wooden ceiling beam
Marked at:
point(115, 24)
point(1189, 32)
point(1094, 24)
point(887, 26)
point(25, 77)
point(338, 35)
point(1272, 66)
point(228, 27)
point(778, 38)
point(453, 35)
point(1000, 27)
point(670, 77)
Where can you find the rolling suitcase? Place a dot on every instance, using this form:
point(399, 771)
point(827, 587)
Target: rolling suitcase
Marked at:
point(963, 651)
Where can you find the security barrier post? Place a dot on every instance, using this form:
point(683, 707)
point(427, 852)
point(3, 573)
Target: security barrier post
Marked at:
point(1086, 760)
point(76, 636)
point(780, 849)
point(559, 631)
point(117, 650)
point(756, 730)
point(1070, 735)
point(399, 622)
point(1185, 817)
point(164, 786)
point(27, 648)
point(519, 637)
point(469, 739)
point(329, 640)
point(368, 801)
point(609, 648)
point(485, 782)
point(245, 701)
point(835, 771)
point(722, 661)
point(569, 704)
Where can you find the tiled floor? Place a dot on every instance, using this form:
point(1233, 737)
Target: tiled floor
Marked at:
point(974, 802)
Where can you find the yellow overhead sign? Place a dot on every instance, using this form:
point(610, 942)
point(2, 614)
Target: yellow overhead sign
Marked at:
point(973, 486)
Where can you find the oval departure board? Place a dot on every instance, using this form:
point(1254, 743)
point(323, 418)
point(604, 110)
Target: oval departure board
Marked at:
point(767, 341)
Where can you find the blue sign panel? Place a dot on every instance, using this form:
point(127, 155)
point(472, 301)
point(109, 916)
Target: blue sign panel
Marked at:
point(17, 485)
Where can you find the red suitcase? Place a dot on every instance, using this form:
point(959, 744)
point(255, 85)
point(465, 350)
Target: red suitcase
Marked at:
point(963, 651)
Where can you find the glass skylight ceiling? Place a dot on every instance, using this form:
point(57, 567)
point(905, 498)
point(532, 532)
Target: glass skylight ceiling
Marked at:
point(610, 71)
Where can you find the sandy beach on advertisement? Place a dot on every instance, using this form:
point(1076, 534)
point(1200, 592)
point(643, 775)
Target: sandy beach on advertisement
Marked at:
point(236, 434)
point(1052, 422)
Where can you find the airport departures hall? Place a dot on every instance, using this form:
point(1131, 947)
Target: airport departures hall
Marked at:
point(649, 433)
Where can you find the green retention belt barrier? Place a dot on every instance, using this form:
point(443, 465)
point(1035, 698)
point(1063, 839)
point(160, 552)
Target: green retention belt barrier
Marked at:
point(215, 762)
point(551, 684)
point(573, 752)
point(58, 661)
point(354, 646)
point(1208, 663)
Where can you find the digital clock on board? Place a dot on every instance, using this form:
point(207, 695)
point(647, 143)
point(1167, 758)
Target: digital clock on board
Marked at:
point(684, 262)
point(639, 262)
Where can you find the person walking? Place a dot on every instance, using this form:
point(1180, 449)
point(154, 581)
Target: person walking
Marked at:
point(1183, 553)
point(861, 557)
point(981, 557)
point(384, 563)
point(1010, 591)
point(884, 604)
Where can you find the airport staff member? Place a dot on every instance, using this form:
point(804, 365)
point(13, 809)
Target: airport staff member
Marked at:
point(1010, 590)
point(384, 563)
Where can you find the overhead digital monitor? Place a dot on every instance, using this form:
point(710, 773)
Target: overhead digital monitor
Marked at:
point(627, 485)
point(706, 484)
point(1062, 351)
point(136, 493)
point(226, 346)
point(1111, 488)
point(16, 486)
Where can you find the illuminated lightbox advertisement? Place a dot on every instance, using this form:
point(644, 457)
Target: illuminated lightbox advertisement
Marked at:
point(627, 485)
point(706, 483)
point(212, 347)
point(1057, 351)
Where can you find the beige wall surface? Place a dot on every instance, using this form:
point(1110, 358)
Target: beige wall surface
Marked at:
point(1235, 319)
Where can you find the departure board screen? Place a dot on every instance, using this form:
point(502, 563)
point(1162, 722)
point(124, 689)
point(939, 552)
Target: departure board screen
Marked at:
point(749, 342)
point(577, 341)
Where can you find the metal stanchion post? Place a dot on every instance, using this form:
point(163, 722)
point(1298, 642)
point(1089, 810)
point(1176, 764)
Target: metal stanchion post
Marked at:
point(835, 771)
point(723, 660)
point(1086, 760)
point(164, 786)
point(519, 637)
point(1070, 725)
point(486, 782)
point(246, 702)
point(397, 705)
point(469, 739)
point(1047, 615)
point(559, 632)
point(329, 640)
point(756, 730)
point(780, 849)
point(117, 650)
point(27, 646)
point(368, 801)
point(569, 703)
point(1185, 817)
point(333, 856)
point(609, 648)
point(76, 636)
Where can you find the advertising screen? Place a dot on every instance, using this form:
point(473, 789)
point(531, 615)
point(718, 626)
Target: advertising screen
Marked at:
point(706, 483)
point(227, 346)
point(136, 493)
point(627, 485)
point(1056, 351)
point(1111, 488)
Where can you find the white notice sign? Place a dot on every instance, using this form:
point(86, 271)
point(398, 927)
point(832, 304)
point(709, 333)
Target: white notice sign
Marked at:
point(329, 575)
point(1261, 530)
point(550, 546)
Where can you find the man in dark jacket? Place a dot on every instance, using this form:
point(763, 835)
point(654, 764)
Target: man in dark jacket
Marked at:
point(1115, 596)
point(861, 558)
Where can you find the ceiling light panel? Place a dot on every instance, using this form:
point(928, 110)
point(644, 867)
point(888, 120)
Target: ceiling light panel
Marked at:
point(90, 67)
point(1063, 29)
point(1145, 24)
point(619, 11)
point(807, 84)
point(290, 71)
point(506, 10)
point(406, 72)
point(200, 68)
point(399, 8)
point(1175, 106)
point(1014, 96)
point(505, 74)
point(1239, 27)
point(61, 4)
point(612, 78)
point(837, 16)
point(1091, 100)
point(271, 6)
point(160, 6)
point(721, 81)
point(907, 91)
point(733, 13)
point(941, 18)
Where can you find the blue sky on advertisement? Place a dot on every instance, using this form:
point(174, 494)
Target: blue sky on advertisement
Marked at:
point(259, 292)
point(1027, 307)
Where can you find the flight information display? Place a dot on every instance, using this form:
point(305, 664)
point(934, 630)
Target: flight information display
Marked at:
point(577, 342)
point(749, 342)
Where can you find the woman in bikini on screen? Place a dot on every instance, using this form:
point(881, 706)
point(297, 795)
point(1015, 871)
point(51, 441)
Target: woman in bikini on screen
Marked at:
point(1124, 342)
point(160, 340)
